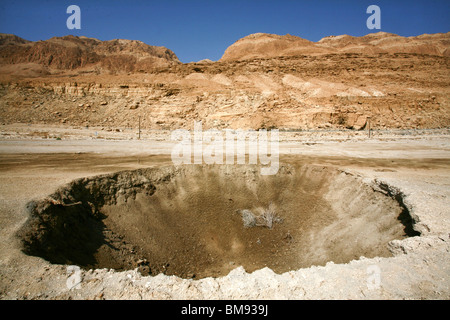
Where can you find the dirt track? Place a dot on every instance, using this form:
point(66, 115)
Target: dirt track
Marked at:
point(416, 166)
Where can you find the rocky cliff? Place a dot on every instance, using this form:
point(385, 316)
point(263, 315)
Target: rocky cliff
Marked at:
point(80, 53)
point(347, 83)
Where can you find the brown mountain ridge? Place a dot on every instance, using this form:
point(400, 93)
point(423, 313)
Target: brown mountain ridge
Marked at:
point(262, 81)
point(263, 45)
point(71, 52)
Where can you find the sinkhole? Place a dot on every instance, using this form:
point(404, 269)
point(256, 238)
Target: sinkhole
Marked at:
point(203, 221)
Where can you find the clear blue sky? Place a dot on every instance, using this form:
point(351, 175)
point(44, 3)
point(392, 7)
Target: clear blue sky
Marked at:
point(201, 29)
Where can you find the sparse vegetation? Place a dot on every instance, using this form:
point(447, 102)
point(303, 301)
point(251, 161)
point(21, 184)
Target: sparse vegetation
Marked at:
point(266, 218)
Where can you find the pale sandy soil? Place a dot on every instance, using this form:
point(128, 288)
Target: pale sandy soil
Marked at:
point(418, 166)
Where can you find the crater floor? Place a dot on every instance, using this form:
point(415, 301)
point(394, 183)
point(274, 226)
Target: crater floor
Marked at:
point(408, 267)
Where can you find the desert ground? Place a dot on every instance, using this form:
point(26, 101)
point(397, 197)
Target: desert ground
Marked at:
point(92, 205)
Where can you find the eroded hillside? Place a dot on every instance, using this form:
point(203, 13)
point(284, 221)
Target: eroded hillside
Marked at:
point(339, 87)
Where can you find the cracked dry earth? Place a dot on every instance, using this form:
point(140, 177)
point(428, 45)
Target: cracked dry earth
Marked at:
point(350, 227)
